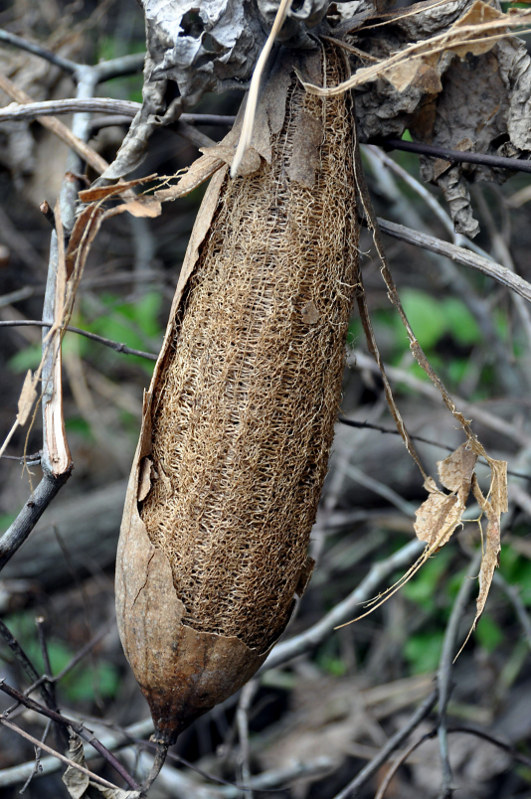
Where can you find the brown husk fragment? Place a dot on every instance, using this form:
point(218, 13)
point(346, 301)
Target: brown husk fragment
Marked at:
point(239, 418)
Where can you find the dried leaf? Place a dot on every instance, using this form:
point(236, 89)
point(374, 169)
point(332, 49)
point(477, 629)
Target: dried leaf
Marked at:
point(478, 14)
point(148, 207)
point(201, 170)
point(27, 398)
point(437, 519)
point(78, 782)
point(103, 192)
point(456, 470)
point(85, 228)
point(493, 506)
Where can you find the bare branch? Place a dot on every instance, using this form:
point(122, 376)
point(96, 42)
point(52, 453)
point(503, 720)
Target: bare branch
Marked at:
point(445, 669)
point(41, 745)
point(359, 360)
point(75, 142)
point(457, 156)
point(351, 790)
point(421, 439)
point(460, 255)
point(309, 639)
point(30, 514)
point(49, 765)
point(125, 65)
point(117, 346)
point(37, 49)
point(98, 105)
point(78, 728)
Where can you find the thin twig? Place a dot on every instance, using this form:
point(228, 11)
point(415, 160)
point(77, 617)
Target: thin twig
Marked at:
point(116, 67)
point(41, 632)
point(402, 757)
point(359, 360)
point(444, 670)
point(78, 728)
point(457, 156)
point(41, 745)
point(353, 788)
point(98, 105)
point(37, 762)
point(49, 765)
point(50, 678)
point(420, 439)
point(315, 635)
point(30, 514)
point(492, 739)
point(113, 68)
point(383, 490)
point(459, 255)
point(117, 346)
point(26, 664)
point(242, 721)
point(92, 158)
point(512, 592)
point(37, 49)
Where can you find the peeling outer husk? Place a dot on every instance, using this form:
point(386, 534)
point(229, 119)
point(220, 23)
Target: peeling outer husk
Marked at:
point(206, 46)
point(238, 421)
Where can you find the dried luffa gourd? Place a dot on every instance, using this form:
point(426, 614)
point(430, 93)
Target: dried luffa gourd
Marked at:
point(239, 417)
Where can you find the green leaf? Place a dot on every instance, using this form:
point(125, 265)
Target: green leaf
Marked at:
point(460, 322)
point(422, 589)
point(426, 316)
point(28, 358)
point(423, 651)
point(489, 633)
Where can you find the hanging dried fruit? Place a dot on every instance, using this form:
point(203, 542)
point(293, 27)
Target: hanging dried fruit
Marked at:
point(239, 417)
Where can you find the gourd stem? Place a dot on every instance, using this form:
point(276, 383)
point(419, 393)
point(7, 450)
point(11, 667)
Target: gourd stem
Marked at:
point(158, 762)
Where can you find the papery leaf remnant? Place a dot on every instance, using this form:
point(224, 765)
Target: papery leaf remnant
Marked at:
point(455, 78)
point(82, 784)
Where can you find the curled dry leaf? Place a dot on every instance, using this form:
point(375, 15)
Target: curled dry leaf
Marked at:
point(440, 515)
point(79, 783)
point(27, 398)
point(484, 101)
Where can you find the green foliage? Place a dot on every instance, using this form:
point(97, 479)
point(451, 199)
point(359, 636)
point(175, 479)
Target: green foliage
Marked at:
point(488, 633)
point(332, 665)
point(80, 427)
point(135, 323)
point(517, 571)
point(423, 651)
point(130, 87)
point(6, 519)
point(329, 660)
point(423, 589)
point(432, 318)
point(426, 316)
point(86, 681)
point(27, 358)
point(439, 323)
